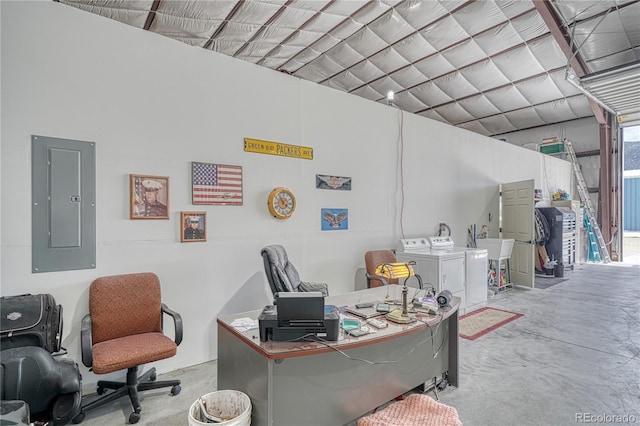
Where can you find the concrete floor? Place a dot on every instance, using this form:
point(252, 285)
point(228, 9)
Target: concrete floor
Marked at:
point(631, 247)
point(575, 352)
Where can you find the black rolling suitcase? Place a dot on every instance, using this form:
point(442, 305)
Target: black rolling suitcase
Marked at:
point(51, 386)
point(30, 332)
point(30, 320)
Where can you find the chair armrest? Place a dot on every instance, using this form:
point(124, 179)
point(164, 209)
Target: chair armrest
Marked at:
point(376, 278)
point(86, 343)
point(177, 321)
point(306, 286)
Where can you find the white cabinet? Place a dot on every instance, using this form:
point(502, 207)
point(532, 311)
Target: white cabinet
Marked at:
point(476, 279)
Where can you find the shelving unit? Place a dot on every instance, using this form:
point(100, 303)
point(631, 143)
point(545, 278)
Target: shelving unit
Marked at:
point(499, 251)
point(561, 245)
point(574, 205)
point(499, 281)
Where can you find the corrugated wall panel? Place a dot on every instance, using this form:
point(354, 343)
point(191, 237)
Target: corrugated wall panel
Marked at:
point(631, 214)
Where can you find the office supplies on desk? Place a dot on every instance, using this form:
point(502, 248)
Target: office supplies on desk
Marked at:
point(383, 307)
point(298, 307)
point(357, 332)
point(425, 307)
point(244, 324)
point(365, 313)
point(350, 324)
point(444, 298)
point(429, 298)
point(377, 323)
point(297, 315)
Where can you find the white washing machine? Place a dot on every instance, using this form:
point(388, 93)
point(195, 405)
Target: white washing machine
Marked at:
point(460, 270)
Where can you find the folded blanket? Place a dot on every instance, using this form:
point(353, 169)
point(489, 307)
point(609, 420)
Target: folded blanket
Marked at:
point(416, 410)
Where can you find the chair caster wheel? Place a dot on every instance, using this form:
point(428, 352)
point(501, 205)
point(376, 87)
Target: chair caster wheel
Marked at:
point(175, 390)
point(442, 385)
point(134, 417)
point(78, 419)
point(100, 390)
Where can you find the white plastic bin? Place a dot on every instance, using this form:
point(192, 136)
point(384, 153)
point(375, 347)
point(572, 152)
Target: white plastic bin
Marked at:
point(233, 406)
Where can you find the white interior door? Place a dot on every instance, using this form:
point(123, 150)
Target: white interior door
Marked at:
point(518, 223)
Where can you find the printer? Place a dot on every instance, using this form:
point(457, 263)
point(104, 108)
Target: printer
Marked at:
point(295, 315)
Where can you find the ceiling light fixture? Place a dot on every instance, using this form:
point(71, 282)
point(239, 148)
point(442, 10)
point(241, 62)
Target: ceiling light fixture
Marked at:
point(390, 97)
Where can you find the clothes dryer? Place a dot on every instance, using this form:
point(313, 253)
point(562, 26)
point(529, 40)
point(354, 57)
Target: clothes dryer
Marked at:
point(442, 265)
point(440, 268)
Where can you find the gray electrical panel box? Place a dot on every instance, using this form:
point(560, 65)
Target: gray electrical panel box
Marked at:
point(63, 201)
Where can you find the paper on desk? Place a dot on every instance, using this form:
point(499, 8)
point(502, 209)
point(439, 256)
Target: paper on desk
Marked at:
point(244, 324)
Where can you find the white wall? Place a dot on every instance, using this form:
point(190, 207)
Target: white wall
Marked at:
point(153, 105)
point(583, 133)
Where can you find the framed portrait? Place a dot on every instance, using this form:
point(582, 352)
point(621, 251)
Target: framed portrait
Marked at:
point(193, 226)
point(149, 197)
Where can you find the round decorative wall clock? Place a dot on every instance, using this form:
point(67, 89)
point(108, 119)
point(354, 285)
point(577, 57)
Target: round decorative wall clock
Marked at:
point(281, 203)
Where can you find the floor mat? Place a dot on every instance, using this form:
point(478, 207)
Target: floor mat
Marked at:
point(480, 322)
point(545, 281)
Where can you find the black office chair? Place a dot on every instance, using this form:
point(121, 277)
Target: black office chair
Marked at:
point(51, 386)
point(283, 276)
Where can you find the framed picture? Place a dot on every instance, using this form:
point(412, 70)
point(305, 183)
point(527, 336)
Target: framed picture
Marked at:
point(334, 219)
point(193, 226)
point(333, 182)
point(149, 197)
point(217, 184)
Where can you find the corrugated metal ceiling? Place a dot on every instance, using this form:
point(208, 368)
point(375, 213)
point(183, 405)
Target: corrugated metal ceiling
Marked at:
point(488, 66)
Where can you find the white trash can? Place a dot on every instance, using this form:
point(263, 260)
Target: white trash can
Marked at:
point(232, 406)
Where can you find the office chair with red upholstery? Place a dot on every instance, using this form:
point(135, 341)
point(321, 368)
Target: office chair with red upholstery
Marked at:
point(124, 330)
point(374, 258)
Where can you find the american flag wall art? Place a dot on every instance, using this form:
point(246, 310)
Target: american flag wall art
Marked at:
point(219, 184)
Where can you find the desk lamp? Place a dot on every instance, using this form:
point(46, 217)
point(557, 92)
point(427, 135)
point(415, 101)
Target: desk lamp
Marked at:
point(399, 270)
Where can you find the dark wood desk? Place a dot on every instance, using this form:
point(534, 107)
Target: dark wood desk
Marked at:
point(335, 382)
